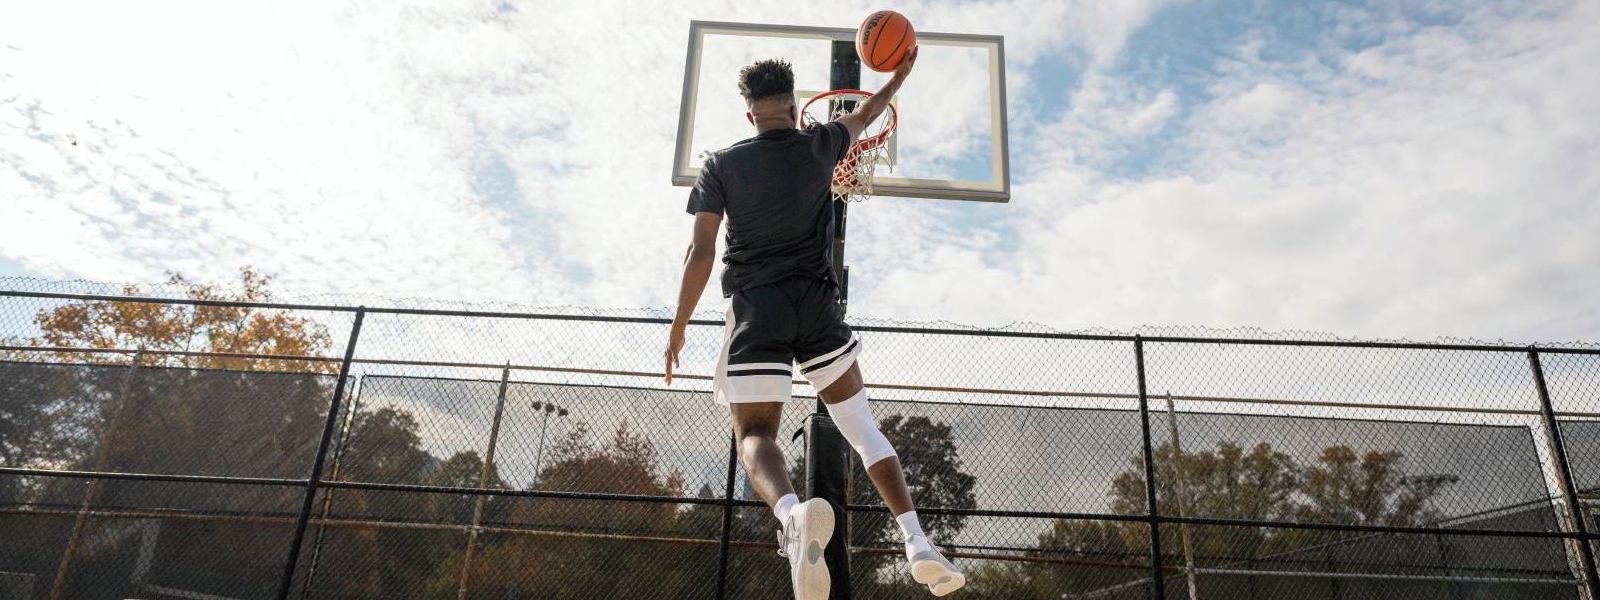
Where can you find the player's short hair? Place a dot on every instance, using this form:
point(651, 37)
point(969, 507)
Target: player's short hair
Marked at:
point(766, 79)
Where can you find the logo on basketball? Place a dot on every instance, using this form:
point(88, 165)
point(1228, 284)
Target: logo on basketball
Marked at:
point(883, 40)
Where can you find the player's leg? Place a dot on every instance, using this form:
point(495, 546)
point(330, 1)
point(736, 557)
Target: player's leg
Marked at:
point(753, 378)
point(884, 471)
point(827, 353)
point(846, 400)
point(806, 526)
point(755, 428)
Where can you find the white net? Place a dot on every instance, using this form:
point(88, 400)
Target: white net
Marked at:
point(852, 177)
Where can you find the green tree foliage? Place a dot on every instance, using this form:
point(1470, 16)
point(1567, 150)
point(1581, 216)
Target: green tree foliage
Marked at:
point(70, 405)
point(935, 477)
point(465, 469)
point(384, 445)
point(49, 412)
point(548, 561)
point(1228, 481)
point(189, 404)
point(1098, 555)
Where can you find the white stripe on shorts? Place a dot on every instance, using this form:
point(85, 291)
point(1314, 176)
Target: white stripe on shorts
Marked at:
point(836, 352)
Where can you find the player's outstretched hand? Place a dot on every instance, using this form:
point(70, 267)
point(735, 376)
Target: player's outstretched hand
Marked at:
point(675, 341)
point(906, 63)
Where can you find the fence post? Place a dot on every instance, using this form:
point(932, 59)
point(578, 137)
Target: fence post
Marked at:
point(1569, 494)
point(727, 519)
point(1152, 516)
point(327, 498)
point(328, 426)
point(483, 481)
point(92, 493)
point(1335, 585)
point(1182, 495)
point(1449, 571)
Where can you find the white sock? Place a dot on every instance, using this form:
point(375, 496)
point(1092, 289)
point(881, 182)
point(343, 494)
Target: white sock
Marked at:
point(784, 506)
point(909, 524)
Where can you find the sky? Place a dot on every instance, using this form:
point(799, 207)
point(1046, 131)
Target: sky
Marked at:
point(1374, 169)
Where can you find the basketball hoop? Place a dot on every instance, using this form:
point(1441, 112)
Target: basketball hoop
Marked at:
point(852, 177)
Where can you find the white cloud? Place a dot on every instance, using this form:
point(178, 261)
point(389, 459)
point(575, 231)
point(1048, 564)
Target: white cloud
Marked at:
point(1436, 183)
point(1451, 197)
point(269, 136)
point(1261, 105)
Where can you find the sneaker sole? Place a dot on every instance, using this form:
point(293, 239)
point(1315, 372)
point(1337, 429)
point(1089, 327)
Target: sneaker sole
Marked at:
point(940, 580)
point(811, 581)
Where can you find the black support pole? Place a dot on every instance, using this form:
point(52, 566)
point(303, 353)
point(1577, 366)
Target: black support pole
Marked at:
point(844, 74)
point(328, 428)
point(1153, 516)
point(828, 460)
point(727, 519)
point(827, 453)
point(1569, 492)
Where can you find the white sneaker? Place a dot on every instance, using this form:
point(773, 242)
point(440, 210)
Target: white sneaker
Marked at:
point(930, 568)
point(805, 533)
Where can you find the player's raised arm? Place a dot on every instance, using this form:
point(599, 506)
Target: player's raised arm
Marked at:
point(857, 121)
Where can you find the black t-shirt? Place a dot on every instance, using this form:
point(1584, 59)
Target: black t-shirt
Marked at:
point(773, 189)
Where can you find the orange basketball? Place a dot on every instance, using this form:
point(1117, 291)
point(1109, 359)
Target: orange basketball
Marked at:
point(884, 39)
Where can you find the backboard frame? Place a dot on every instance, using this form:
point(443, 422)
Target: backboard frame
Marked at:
point(685, 168)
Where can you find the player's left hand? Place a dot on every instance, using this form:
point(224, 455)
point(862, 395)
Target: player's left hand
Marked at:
point(674, 346)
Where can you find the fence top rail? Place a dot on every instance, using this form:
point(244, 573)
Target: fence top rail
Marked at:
point(914, 330)
point(1038, 393)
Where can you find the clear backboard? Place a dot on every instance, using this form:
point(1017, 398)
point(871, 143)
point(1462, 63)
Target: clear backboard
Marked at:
point(951, 139)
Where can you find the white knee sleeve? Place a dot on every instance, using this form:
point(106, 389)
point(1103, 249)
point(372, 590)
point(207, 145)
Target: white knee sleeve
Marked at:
point(854, 420)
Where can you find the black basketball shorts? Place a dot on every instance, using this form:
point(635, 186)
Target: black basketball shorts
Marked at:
point(776, 329)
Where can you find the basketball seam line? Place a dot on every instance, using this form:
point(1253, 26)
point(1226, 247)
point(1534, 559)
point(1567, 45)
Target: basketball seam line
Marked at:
point(902, 41)
point(874, 36)
point(876, 64)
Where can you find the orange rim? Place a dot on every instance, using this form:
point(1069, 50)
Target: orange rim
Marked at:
point(866, 144)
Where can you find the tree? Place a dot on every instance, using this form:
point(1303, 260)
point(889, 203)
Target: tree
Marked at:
point(1340, 487)
point(47, 413)
point(69, 407)
point(555, 563)
point(934, 476)
point(1261, 483)
point(464, 469)
point(384, 445)
point(1071, 556)
point(1367, 490)
point(189, 404)
point(211, 331)
point(1226, 482)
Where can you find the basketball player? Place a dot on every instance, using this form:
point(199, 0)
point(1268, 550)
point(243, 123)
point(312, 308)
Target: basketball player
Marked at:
point(785, 313)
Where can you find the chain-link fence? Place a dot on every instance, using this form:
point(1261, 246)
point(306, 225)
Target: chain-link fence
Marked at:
point(219, 447)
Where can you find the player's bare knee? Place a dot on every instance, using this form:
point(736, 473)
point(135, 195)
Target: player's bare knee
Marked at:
point(752, 431)
point(844, 388)
point(750, 434)
point(839, 393)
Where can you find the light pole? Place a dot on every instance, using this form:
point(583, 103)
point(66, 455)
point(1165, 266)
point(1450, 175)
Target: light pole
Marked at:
point(544, 427)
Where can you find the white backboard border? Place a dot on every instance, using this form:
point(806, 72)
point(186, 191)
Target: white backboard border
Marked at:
point(686, 168)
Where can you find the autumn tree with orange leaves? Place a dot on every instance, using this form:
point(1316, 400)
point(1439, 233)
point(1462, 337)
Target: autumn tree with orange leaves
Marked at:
point(185, 335)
